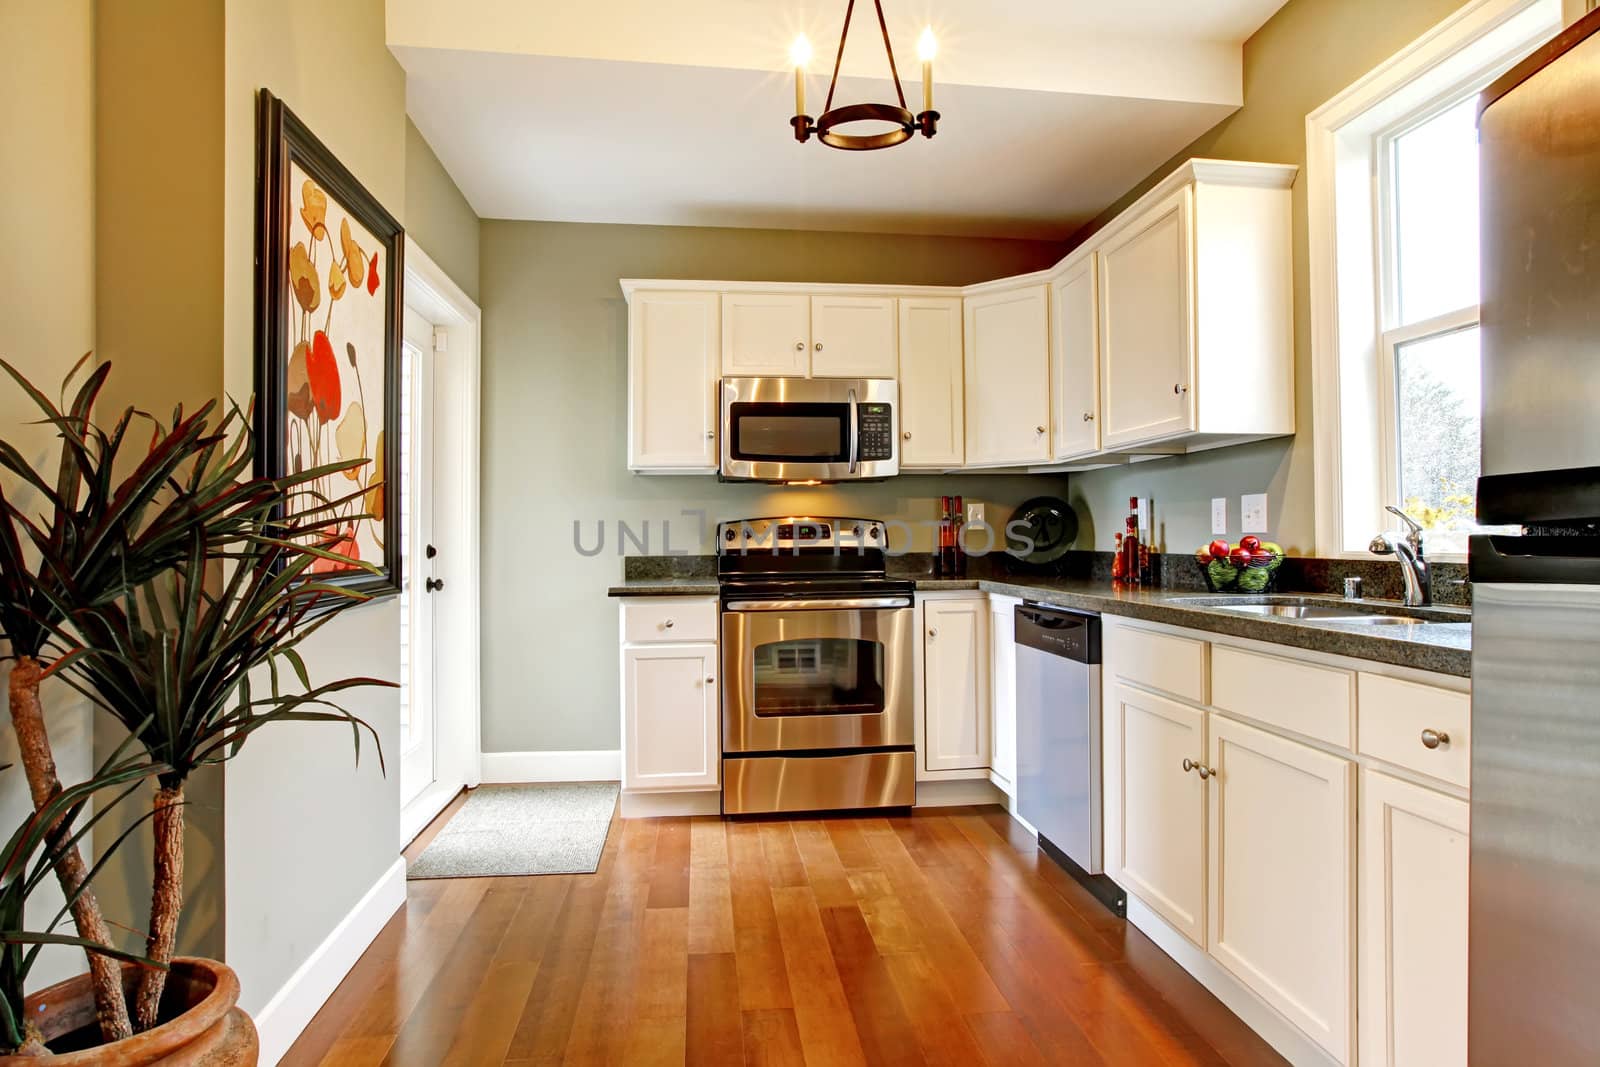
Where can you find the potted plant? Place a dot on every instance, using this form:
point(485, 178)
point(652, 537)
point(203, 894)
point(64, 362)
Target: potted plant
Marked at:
point(158, 594)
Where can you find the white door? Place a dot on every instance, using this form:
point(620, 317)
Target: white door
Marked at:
point(766, 335)
point(853, 337)
point(1413, 925)
point(1003, 689)
point(1008, 377)
point(1075, 370)
point(419, 741)
point(1282, 865)
point(673, 352)
point(932, 401)
point(1147, 326)
point(956, 684)
point(671, 716)
point(1162, 839)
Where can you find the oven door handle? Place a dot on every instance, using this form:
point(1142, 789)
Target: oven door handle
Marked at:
point(855, 433)
point(841, 604)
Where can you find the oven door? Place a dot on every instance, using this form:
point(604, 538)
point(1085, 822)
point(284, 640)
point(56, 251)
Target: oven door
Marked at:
point(798, 429)
point(816, 678)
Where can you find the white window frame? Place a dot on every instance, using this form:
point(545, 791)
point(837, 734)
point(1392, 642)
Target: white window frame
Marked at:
point(1353, 359)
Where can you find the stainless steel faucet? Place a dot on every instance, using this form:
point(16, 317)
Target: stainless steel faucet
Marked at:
point(1413, 565)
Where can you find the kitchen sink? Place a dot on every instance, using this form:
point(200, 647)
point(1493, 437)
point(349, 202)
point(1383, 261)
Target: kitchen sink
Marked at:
point(1328, 611)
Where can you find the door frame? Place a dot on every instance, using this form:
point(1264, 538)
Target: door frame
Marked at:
point(457, 374)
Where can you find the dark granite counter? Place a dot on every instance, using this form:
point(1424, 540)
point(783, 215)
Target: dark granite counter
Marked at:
point(665, 587)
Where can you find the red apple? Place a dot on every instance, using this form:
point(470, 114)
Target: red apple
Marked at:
point(1241, 556)
point(1218, 549)
point(1261, 558)
point(1203, 555)
point(1250, 541)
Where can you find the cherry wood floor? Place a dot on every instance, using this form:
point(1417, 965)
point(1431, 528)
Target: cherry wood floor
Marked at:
point(936, 938)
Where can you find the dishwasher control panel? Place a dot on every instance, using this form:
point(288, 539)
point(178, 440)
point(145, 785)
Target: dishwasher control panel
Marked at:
point(1059, 631)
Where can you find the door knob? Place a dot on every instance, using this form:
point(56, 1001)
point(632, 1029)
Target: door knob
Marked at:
point(433, 585)
point(431, 552)
point(1434, 738)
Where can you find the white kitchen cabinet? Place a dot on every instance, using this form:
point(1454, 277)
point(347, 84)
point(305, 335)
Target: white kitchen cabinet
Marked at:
point(1007, 362)
point(1413, 979)
point(1161, 834)
point(1281, 905)
point(673, 352)
point(853, 337)
point(955, 642)
point(670, 717)
point(766, 335)
point(932, 398)
point(1003, 690)
point(1075, 360)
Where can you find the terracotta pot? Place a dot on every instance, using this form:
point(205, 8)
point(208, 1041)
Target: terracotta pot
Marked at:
point(204, 1024)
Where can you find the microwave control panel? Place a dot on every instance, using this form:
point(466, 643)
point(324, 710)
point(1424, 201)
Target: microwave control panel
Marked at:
point(875, 425)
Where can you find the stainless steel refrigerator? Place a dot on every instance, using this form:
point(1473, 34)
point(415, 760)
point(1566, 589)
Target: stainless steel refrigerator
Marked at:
point(1534, 955)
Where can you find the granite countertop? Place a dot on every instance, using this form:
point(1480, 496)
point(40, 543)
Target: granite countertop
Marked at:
point(1444, 647)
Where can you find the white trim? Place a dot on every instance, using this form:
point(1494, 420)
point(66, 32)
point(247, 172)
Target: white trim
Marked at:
point(600, 765)
point(670, 803)
point(415, 816)
point(1254, 1012)
point(299, 999)
point(1340, 138)
point(959, 793)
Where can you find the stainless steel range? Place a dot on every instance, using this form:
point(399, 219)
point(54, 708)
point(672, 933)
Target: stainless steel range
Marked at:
point(817, 697)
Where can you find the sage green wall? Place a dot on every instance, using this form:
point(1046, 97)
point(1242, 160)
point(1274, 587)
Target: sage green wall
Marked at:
point(438, 218)
point(1306, 53)
point(554, 446)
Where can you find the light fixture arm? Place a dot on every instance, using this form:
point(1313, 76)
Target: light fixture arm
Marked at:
point(825, 127)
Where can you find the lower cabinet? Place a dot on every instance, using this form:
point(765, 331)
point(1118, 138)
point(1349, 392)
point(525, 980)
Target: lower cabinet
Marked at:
point(1162, 807)
point(670, 717)
point(1003, 690)
point(1413, 924)
point(1282, 877)
point(955, 684)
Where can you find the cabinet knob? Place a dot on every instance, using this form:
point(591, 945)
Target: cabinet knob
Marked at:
point(1434, 738)
point(933, 633)
point(666, 624)
point(1038, 429)
point(710, 434)
point(819, 346)
point(799, 346)
point(1178, 390)
point(906, 435)
point(1200, 768)
point(711, 681)
point(1088, 416)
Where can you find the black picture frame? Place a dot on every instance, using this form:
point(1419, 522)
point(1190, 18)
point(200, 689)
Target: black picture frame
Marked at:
point(282, 139)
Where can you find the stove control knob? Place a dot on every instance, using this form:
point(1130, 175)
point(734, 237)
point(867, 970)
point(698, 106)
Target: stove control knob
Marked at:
point(856, 529)
point(729, 536)
point(874, 533)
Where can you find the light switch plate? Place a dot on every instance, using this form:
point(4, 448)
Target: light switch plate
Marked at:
point(1253, 513)
point(975, 513)
point(1219, 516)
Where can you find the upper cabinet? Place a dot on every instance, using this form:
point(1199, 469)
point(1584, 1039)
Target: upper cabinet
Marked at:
point(1075, 360)
point(672, 382)
point(932, 400)
point(1008, 376)
point(766, 335)
point(853, 337)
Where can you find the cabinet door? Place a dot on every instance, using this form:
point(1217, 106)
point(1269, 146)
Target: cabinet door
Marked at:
point(1282, 873)
point(853, 337)
point(670, 717)
point(1162, 837)
point(1413, 925)
point(1003, 690)
point(672, 381)
point(932, 401)
point(1075, 361)
point(956, 685)
point(1008, 377)
point(766, 335)
point(1147, 326)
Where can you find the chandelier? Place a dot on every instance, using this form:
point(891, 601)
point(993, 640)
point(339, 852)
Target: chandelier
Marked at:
point(827, 126)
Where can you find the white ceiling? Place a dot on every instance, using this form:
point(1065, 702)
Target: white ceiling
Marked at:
point(611, 112)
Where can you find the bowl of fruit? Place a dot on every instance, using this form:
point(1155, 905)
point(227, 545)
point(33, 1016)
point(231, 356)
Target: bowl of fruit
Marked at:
point(1250, 565)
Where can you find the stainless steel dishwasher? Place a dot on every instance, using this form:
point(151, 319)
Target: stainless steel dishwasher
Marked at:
point(1058, 741)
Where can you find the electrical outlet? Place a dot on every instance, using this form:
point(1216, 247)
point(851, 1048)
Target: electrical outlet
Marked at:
point(1219, 516)
point(975, 513)
point(1253, 513)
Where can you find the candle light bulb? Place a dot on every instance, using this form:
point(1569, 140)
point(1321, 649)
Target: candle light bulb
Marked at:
point(927, 46)
point(800, 52)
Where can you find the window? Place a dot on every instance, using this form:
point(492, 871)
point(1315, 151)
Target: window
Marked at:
point(1392, 167)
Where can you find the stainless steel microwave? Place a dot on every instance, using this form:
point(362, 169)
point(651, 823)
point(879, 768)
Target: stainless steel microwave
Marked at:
point(809, 429)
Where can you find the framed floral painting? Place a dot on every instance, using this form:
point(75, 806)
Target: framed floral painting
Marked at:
point(328, 314)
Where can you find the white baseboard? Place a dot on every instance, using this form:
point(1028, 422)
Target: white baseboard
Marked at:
point(661, 805)
point(601, 765)
point(1256, 1013)
point(299, 999)
point(958, 793)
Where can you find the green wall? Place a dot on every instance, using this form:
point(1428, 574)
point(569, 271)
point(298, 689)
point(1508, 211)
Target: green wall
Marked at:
point(554, 446)
point(438, 218)
point(1308, 52)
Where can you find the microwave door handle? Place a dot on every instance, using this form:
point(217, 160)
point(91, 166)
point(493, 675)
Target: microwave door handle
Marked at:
point(855, 432)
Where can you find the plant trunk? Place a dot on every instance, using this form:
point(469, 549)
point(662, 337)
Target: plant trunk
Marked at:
point(32, 1042)
point(39, 764)
point(166, 900)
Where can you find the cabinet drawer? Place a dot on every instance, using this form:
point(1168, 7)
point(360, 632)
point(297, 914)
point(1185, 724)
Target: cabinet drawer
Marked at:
point(1316, 701)
point(1394, 714)
point(1175, 665)
point(669, 619)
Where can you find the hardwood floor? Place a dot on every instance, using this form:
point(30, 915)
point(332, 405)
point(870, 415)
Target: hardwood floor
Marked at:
point(936, 938)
